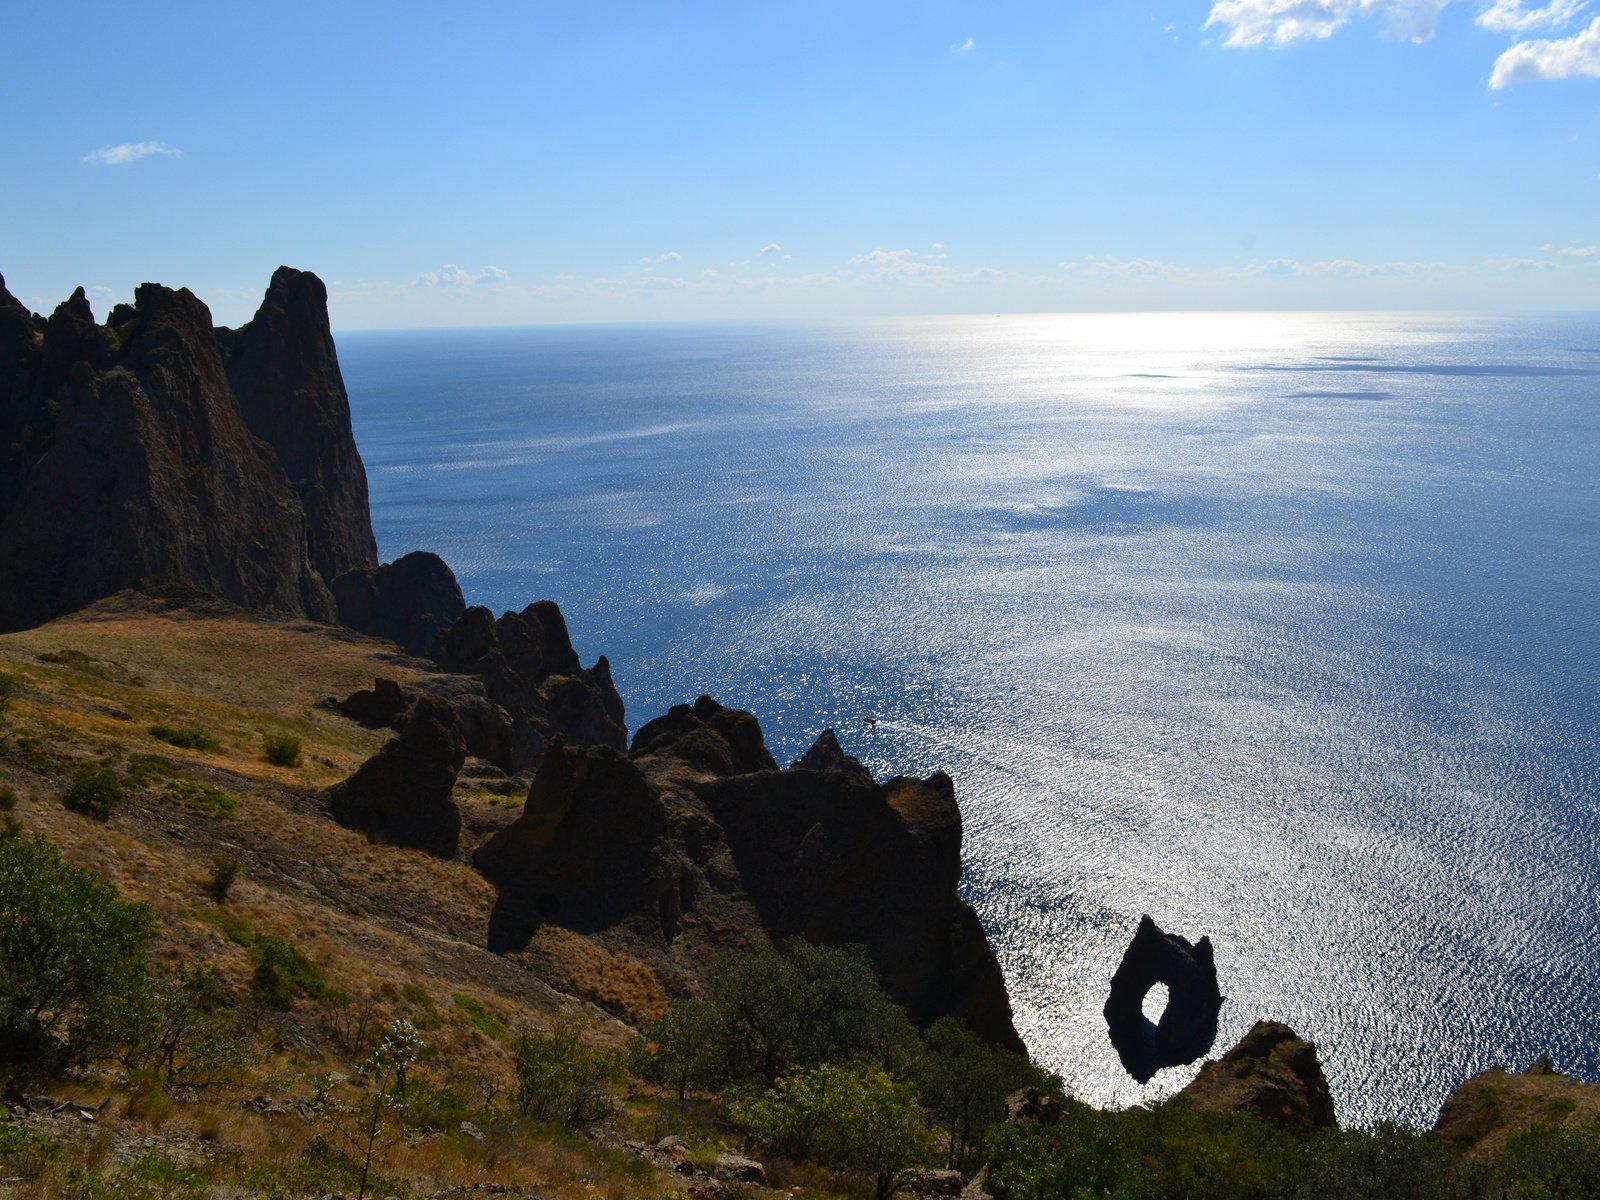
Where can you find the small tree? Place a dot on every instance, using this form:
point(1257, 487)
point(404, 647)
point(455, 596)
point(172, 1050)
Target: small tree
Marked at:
point(282, 749)
point(559, 1078)
point(384, 1077)
point(680, 1049)
point(94, 791)
point(74, 975)
point(964, 1081)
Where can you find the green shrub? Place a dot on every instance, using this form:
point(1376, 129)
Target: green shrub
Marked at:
point(76, 979)
point(480, 1018)
point(8, 690)
point(224, 871)
point(282, 972)
point(94, 791)
point(964, 1081)
point(185, 736)
point(203, 798)
point(682, 1049)
point(561, 1079)
point(8, 798)
point(1550, 1163)
point(25, 1153)
point(852, 1115)
point(283, 749)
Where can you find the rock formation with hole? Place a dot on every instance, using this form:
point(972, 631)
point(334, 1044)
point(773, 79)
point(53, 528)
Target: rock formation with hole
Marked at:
point(1188, 1027)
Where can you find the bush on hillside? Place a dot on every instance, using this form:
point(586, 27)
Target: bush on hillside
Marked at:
point(561, 1079)
point(281, 749)
point(74, 975)
point(94, 791)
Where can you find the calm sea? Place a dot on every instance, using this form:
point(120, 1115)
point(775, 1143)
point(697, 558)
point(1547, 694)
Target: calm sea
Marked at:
point(1280, 628)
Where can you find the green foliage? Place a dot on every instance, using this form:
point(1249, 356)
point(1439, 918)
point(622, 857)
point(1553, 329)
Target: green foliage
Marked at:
point(1550, 1163)
point(188, 737)
point(224, 870)
point(94, 791)
point(8, 690)
point(964, 1081)
point(24, 1153)
point(801, 1007)
point(154, 1176)
point(682, 1049)
point(8, 798)
point(203, 798)
point(283, 749)
point(853, 1116)
point(74, 976)
point(282, 972)
point(480, 1018)
point(236, 929)
point(195, 1039)
point(561, 1079)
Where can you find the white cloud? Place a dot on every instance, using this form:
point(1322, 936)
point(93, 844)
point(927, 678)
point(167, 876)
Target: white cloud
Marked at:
point(771, 249)
point(1343, 268)
point(1100, 268)
point(671, 256)
point(1552, 58)
point(129, 152)
point(1512, 16)
point(963, 47)
point(1251, 22)
point(1581, 251)
point(451, 275)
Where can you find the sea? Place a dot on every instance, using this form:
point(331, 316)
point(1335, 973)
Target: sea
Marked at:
point(1281, 628)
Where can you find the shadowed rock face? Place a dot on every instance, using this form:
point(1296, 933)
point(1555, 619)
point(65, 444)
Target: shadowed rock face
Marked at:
point(156, 451)
point(403, 793)
point(696, 841)
point(529, 668)
point(129, 465)
point(1274, 1073)
point(1188, 1027)
point(410, 601)
point(284, 370)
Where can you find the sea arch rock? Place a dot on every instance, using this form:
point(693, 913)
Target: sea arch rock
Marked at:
point(1188, 1027)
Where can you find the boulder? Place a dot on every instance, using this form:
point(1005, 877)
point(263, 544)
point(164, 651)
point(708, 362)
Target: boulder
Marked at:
point(1495, 1104)
point(931, 1183)
point(1274, 1073)
point(1031, 1106)
point(484, 724)
point(409, 601)
point(735, 1168)
point(1188, 1027)
point(403, 793)
point(708, 737)
point(827, 755)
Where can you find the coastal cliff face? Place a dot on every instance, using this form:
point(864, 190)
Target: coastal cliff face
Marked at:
point(129, 457)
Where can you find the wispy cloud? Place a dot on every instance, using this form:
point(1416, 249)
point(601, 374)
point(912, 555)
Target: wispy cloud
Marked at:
point(1514, 16)
point(964, 47)
point(771, 250)
point(1251, 22)
point(1342, 268)
point(671, 256)
point(1550, 58)
point(451, 275)
point(129, 152)
point(1581, 251)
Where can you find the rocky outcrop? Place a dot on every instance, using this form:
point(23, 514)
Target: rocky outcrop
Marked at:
point(588, 851)
point(696, 842)
point(403, 793)
point(1495, 1104)
point(1188, 1027)
point(155, 451)
point(130, 466)
point(410, 601)
point(529, 668)
point(284, 370)
point(1030, 1106)
point(1274, 1073)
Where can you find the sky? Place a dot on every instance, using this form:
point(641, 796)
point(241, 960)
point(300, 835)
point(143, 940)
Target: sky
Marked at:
point(515, 163)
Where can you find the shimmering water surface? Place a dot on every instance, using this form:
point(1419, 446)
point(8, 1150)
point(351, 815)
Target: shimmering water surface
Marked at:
point(1280, 628)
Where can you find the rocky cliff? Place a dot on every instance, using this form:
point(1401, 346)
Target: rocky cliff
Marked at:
point(131, 458)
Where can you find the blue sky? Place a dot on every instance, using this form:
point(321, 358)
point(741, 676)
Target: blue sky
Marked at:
point(503, 163)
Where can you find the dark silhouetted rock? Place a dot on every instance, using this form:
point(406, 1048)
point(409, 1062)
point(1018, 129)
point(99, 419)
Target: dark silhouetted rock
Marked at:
point(1188, 1027)
point(1030, 1105)
point(284, 370)
point(409, 601)
point(827, 755)
point(134, 468)
point(707, 737)
point(1496, 1104)
point(831, 856)
point(529, 668)
point(403, 793)
point(378, 707)
point(1274, 1073)
point(587, 849)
